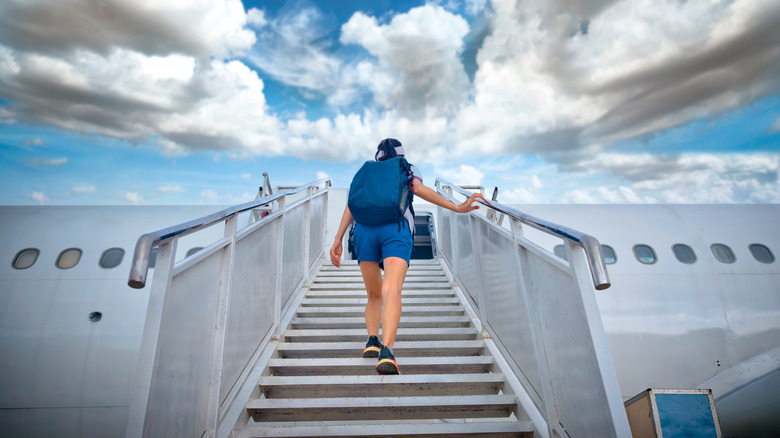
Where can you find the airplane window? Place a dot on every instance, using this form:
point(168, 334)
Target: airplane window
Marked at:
point(762, 253)
point(111, 258)
point(609, 254)
point(560, 251)
point(684, 253)
point(723, 253)
point(26, 258)
point(193, 250)
point(69, 258)
point(645, 254)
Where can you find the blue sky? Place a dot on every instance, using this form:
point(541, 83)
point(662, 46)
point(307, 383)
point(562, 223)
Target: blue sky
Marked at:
point(178, 102)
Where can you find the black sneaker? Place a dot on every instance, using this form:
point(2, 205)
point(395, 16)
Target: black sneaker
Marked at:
point(372, 347)
point(386, 364)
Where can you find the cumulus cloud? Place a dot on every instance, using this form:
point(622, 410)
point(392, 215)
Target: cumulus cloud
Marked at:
point(146, 71)
point(557, 76)
point(681, 178)
point(213, 28)
point(417, 70)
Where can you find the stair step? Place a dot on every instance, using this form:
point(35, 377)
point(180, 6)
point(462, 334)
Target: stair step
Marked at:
point(357, 274)
point(429, 293)
point(451, 429)
point(360, 311)
point(381, 408)
point(403, 334)
point(293, 350)
point(360, 286)
point(343, 302)
point(356, 279)
point(380, 386)
point(361, 366)
point(358, 322)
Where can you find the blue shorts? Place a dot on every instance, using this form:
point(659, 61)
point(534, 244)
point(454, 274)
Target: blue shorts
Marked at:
point(374, 243)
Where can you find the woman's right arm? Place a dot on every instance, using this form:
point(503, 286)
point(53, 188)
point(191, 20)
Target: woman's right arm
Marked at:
point(337, 248)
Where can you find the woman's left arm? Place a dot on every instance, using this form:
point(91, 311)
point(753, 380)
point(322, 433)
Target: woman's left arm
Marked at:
point(421, 190)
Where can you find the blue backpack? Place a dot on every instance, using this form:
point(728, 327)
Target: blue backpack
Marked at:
point(379, 193)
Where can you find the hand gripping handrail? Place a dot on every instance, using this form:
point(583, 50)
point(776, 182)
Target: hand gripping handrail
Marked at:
point(145, 243)
point(598, 268)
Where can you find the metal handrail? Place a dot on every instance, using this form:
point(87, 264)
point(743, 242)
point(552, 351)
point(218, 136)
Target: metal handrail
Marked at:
point(145, 243)
point(591, 245)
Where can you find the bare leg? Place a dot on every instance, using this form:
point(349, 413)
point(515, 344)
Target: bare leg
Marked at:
point(372, 278)
point(395, 273)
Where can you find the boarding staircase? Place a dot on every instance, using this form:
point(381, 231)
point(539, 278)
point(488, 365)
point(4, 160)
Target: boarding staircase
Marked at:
point(254, 336)
point(317, 384)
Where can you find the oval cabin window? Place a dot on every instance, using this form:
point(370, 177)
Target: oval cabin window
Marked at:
point(69, 258)
point(609, 254)
point(645, 254)
point(25, 258)
point(723, 253)
point(762, 253)
point(111, 258)
point(684, 253)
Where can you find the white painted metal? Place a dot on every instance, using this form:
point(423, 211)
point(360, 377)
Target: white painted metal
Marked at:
point(450, 429)
point(542, 308)
point(218, 300)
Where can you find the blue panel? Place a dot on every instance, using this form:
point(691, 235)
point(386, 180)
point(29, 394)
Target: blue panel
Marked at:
point(685, 415)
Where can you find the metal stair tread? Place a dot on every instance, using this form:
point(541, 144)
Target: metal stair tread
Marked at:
point(358, 334)
point(380, 386)
point(337, 293)
point(360, 366)
point(326, 302)
point(401, 348)
point(381, 408)
point(358, 322)
point(357, 311)
point(451, 429)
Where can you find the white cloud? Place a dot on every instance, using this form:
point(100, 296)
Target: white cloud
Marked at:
point(134, 198)
point(418, 69)
point(40, 198)
point(322, 175)
point(246, 176)
point(518, 195)
point(206, 28)
point(683, 178)
point(256, 18)
point(463, 175)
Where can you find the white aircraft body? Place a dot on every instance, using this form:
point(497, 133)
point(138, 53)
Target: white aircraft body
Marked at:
point(70, 336)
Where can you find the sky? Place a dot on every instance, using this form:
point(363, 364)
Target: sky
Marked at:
point(110, 102)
